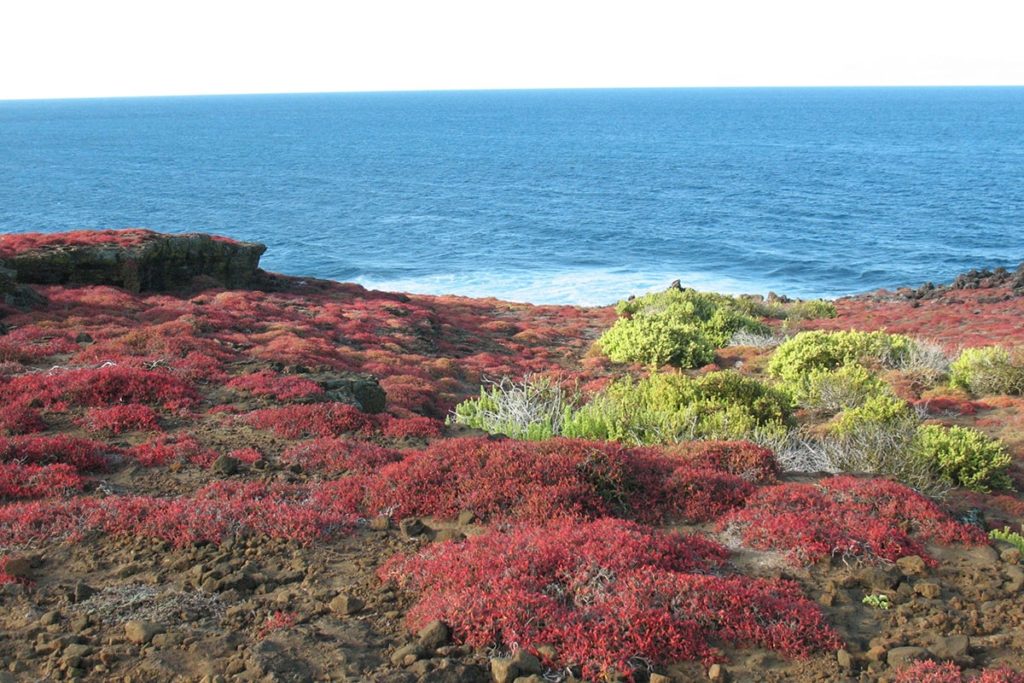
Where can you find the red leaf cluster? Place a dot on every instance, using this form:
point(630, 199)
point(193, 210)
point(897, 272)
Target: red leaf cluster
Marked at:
point(273, 385)
point(604, 593)
point(337, 419)
point(334, 456)
point(214, 512)
point(535, 481)
point(18, 480)
point(121, 418)
point(741, 458)
point(933, 672)
point(846, 517)
point(83, 454)
point(174, 448)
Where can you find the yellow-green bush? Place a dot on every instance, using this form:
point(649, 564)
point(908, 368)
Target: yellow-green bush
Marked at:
point(830, 391)
point(676, 327)
point(965, 456)
point(989, 370)
point(666, 408)
point(797, 357)
point(880, 410)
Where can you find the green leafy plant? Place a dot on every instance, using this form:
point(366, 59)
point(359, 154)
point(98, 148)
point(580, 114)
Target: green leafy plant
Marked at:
point(880, 409)
point(989, 370)
point(675, 327)
point(795, 359)
point(878, 601)
point(965, 456)
point(666, 408)
point(1008, 536)
point(829, 391)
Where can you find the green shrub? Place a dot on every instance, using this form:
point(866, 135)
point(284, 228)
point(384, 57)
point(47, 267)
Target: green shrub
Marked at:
point(1008, 536)
point(675, 327)
point(657, 341)
point(965, 456)
point(830, 391)
point(812, 309)
point(880, 409)
point(665, 408)
point(989, 370)
point(819, 350)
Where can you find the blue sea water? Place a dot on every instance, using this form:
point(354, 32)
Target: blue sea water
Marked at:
point(547, 196)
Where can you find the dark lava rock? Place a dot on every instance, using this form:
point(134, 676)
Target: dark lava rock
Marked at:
point(158, 262)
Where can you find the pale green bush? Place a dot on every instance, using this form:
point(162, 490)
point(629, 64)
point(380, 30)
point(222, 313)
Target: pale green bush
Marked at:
point(965, 456)
point(989, 370)
point(675, 327)
point(795, 359)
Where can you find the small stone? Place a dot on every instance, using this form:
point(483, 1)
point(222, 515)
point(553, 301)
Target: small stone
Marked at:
point(876, 653)
point(141, 632)
point(466, 517)
point(927, 589)
point(982, 555)
point(912, 565)
point(659, 678)
point(225, 466)
point(398, 657)
point(718, 673)
point(526, 663)
point(346, 604)
point(76, 650)
point(49, 618)
point(503, 670)
point(79, 623)
point(380, 523)
point(82, 592)
point(844, 659)
point(951, 647)
point(901, 656)
point(434, 635)
point(19, 567)
point(1016, 579)
point(412, 527)
point(1010, 556)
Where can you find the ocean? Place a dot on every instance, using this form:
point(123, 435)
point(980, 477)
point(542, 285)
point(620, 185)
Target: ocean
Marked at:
point(574, 196)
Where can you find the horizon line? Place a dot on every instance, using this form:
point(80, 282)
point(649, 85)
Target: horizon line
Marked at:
point(397, 91)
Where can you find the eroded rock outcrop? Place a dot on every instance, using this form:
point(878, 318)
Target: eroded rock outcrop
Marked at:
point(137, 260)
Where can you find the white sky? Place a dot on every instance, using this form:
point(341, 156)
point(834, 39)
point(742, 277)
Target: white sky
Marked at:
point(93, 48)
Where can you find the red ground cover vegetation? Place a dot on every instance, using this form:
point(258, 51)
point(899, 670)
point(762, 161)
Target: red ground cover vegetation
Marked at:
point(172, 448)
point(978, 317)
point(333, 456)
point(272, 385)
point(37, 481)
point(85, 455)
point(605, 594)
point(338, 419)
point(535, 481)
point(13, 244)
point(215, 512)
point(122, 418)
point(948, 672)
point(844, 517)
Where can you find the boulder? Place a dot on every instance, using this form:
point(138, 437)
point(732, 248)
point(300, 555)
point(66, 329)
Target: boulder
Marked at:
point(141, 261)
